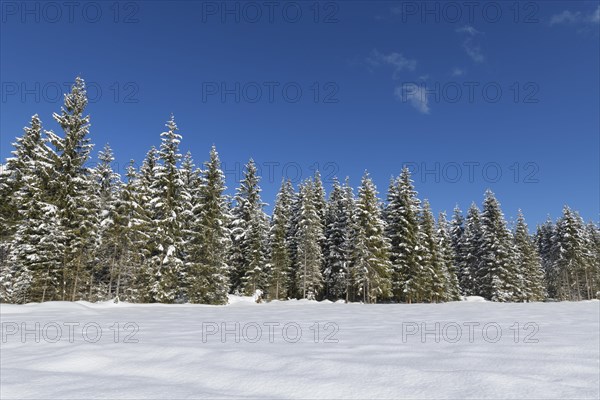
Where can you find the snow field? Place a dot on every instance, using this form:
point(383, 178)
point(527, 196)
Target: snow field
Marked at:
point(248, 350)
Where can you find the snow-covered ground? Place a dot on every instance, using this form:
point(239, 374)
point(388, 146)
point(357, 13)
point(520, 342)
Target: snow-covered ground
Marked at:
point(248, 350)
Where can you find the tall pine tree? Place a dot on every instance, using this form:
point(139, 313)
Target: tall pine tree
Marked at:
point(208, 280)
point(74, 193)
point(528, 263)
point(167, 209)
point(371, 265)
point(309, 237)
point(447, 259)
point(280, 258)
point(249, 233)
point(402, 217)
point(497, 276)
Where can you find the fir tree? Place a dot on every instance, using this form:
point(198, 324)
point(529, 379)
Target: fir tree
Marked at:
point(130, 220)
point(144, 191)
point(528, 262)
point(497, 275)
point(570, 265)
point(37, 248)
point(167, 258)
point(34, 264)
point(73, 193)
point(447, 259)
point(433, 278)
point(543, 238)
point(280, 257)
point(471, 246)
point(295, 210)
point(338, 232)
point(402, 211)
point(249, 233)
point(191, 179)
point(208, 270)
point(345, 275)
point(371, 265)
point(593, 255)
point(29, 165)
point(320, 197)
point(107, 254)
point(308, 238)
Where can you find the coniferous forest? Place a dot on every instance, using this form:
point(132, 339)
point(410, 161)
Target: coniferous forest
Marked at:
point(168, 233)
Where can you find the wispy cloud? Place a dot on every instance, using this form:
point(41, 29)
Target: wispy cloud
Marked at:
point(468, 29)
point(595, 17)
point(458, 71)
point(568, 17)
point(471, 43)
point(397, 61)
point(415, 94)
point(565, 17)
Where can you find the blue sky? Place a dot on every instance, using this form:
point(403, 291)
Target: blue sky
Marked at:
point(342, 86)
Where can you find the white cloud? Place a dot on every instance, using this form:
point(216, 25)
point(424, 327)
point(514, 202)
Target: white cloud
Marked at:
point(595, 17)
point(468, 29)
point(458, 71)
point(570, 18)
point(415, 94)
point(471, 44)
point(409, 92)
point(396, 60)
point(565, 17)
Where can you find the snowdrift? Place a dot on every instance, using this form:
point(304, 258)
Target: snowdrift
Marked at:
point(300, 349)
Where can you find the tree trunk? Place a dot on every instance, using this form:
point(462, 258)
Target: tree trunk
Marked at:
point(45, 284)
point(76, 281)
point(304, 278)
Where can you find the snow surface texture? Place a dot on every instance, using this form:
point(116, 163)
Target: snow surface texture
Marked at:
point(379, 354)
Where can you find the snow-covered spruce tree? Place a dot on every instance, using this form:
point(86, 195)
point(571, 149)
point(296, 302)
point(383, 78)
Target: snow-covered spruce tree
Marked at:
point(37, 247)
point(338, 236)
point(108, 253)
point(31, 269)
point(191, 178)
point(350, 238)
point(371, 265)
point(145, 240)
point(191, 182)
point(543, 238)
point(320, 199)
point(10, 182)
point(129, 222)
point(309, 237)
point(249, 234)
point(73, 192)
point(208, 280)
point(402, 229)
point(279, 275)
point(457, 229)
point(529, 263)
point(7, 216)
point(497, 276)
point(296, 208)
point(448, 259)
point(593, 247)
point(570, 264)
point(434, 279)
point(167, 257)
point(26, 148)
point(470, 260)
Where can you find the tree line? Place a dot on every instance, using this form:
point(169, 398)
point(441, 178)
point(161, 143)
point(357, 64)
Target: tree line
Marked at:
point(168, 233)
